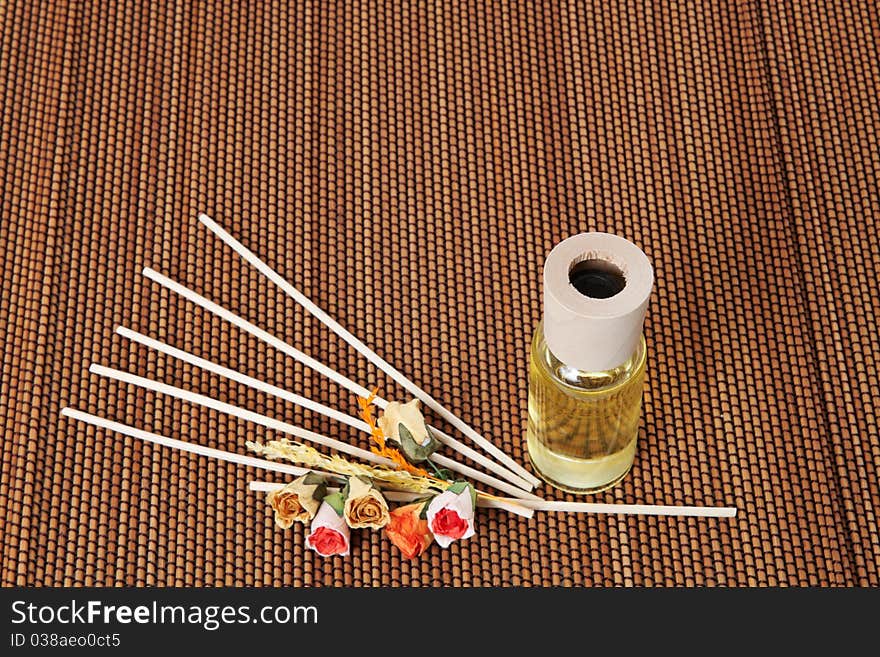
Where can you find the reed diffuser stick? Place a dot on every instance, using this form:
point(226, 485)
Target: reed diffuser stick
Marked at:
point(520, 507)
point(632, 509)
point(390, 495)
point(573, 507)
point(404, 497)
point(250, 257)
point(241, 413)
point(192, 448)
point(511, 506)
point(322, 369)
point(314, 406)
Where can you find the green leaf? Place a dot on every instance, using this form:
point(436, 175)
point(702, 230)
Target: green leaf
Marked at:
point(461, 486)
point(320, 492)
point(313, 479)
point(337, 501)
point(423, 514)
point(412, 450)
point(345, 490)
point(458, 487)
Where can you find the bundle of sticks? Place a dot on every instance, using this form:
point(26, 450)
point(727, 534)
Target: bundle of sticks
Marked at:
point(499, 470)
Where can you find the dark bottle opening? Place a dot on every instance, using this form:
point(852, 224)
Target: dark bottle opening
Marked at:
point(597, 279)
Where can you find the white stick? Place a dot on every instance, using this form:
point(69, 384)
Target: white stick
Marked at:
point(521, 507)
point(483, 501)
point(244, 414)
point(578, 507)
point(390, 495)
point(238, 459)
point(192, 448)
point(250, 257)
point(322, 369)
point(478, 458)
point(317, 407)
point(486, 501)
point(489, 480)
point(256, 331)
point(244, 379)
point(631, 509)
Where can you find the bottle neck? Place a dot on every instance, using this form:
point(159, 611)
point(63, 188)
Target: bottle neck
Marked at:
point(583, 380)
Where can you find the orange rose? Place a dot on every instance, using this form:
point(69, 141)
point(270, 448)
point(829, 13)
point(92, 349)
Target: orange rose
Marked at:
point(409, 532)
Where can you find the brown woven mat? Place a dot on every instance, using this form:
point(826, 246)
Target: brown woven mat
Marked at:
point(428, 161)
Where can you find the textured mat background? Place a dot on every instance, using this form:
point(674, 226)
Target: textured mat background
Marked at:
point(430, 160)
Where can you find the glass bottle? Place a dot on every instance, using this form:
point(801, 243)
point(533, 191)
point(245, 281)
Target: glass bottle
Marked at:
point(587, 362)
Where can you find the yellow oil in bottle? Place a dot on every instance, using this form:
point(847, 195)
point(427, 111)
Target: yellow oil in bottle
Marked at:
point(582, 426)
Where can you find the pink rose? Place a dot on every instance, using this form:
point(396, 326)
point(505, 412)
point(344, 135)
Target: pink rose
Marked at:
point(448, 523)
point(451, 514)
point(326, 542)
point(329, 535)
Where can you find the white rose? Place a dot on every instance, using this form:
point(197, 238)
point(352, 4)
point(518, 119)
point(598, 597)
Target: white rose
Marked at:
point(408, 415)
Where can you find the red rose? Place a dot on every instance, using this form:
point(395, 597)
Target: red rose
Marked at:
point(327, 542)
point(409, 532)
point(448, 523)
